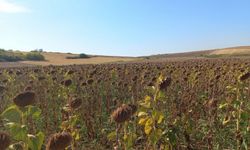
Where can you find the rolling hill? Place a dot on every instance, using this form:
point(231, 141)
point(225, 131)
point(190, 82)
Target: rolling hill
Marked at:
point(241, 50)
point(55, 58)
point(231, 51)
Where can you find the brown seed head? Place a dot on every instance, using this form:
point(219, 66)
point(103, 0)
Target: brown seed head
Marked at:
point(41, 78)
point(165, 83)
point(68, 82)
point(2, 88)
point(28, 88)
point(90, 81)
point(245, 76)
point(133, 107)
point(122, 113)
point(59, 141)
point(75, 103)
point(25, 99)
point(70, 72)
point(4, 140)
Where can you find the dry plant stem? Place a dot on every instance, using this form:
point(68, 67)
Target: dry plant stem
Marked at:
point(238, 118)
point(117, 135)
point(154, 108)
point(73, 144)
point(71, 129)
point(26, 147)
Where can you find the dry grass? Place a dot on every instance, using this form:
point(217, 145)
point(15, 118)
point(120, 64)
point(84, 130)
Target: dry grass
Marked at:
point(232, 51)
point(60, 59)
point(241, 50)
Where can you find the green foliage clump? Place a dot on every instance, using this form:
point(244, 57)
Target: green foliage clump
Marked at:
point(11, 56)
point(14, 56)
point(80, 56)
point(35, 56)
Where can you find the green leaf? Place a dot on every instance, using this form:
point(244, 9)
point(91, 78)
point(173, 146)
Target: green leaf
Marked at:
point(226, 120)
point(131, 137)
point(73, 120)
point(223, 105)
point(32, 141)
point(147, 99)
point(245, 144)
point(155, 114)
point(236, 103)
point(161, 95)
point(142, 121)
point(142, 114)
point(77, 137)
point(146, 105)
point(34, 112)
point(36, 142)
point(40, 136)
point(147, 129)
point(156, 136)
point(160, 119)
point(148, 126)
point(172, 137)
point(149, 122)
point(12, 114)
point(158, 116)
point(18, 132)
point(146, 102)
point(244, 116)
point(112, 136)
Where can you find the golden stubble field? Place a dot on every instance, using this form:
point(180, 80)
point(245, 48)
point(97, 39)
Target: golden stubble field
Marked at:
point(242, 50)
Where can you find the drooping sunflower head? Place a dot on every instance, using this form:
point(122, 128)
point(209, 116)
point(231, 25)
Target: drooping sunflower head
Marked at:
point(25, 99)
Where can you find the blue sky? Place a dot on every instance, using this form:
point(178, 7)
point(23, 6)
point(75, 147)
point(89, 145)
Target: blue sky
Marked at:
point(124, 27)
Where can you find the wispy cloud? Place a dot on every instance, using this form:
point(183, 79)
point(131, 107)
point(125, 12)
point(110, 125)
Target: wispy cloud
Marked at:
point(7, 6)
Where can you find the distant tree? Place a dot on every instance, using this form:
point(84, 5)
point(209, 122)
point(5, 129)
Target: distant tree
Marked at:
point(82, 55)
point(12, 56)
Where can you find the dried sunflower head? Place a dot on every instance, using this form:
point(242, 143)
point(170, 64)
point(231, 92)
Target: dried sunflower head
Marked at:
point(25, 99)
point(165, 83)
point(133, 108)
point(28, 88)
point(75, 103)
point(122, 113)
point(70, 72)
point(2, 88)
point(67, 82)
point(59, 141)
point(245, 76)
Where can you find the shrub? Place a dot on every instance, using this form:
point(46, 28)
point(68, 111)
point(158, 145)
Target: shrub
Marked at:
point(35, 56)
point(11, 56)
point(82, 55)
